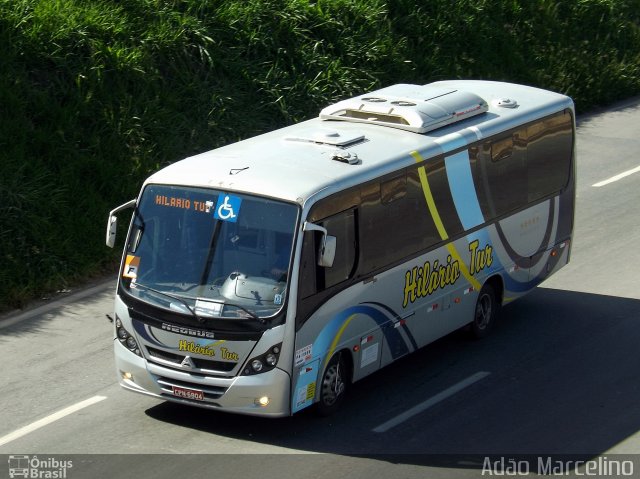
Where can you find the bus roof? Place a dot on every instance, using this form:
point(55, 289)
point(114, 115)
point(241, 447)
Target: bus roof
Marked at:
point(363, 138)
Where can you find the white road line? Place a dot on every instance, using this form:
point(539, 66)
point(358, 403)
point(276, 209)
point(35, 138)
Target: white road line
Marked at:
point(23, 431)
point(431, 402)
point(617, 177)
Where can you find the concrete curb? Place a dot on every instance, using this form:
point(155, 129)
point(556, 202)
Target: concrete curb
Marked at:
point(22, 315)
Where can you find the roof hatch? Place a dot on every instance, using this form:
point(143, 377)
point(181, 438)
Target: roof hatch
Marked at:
point(327, 137)
point(332, 138)
point(414, 108)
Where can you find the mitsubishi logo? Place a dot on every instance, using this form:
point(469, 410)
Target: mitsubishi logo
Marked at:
point(187, 363)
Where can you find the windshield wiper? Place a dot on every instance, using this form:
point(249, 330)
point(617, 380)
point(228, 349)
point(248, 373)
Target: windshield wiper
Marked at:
point(225, 303)
point(168, 295)
point(192, 310)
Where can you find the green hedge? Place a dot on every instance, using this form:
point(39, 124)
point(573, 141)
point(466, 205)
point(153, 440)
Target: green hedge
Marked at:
point(96, 94)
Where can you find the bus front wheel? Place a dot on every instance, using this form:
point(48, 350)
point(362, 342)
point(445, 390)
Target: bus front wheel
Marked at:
point(333, 386)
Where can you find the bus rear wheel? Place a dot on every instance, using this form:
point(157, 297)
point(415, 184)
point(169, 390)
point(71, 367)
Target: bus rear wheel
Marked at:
point(333, 386)
point(484, 315)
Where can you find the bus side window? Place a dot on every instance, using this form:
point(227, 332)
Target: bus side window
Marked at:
point(393, 189)
point(317, 283)
point(549, 155)
point(343, 227)
point(314, 278)
point(503, 174)
point(394, 222)
point(523, 167)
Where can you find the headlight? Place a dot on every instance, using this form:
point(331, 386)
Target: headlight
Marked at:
point(131, 343)
point(271, 359)
point(257, 366)
point(263, 363)
point(126, 339)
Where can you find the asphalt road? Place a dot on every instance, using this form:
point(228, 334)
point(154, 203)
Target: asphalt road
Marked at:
point(557, 378)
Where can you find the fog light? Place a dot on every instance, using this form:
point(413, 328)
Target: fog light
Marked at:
point(127, 375)
point(262, 402)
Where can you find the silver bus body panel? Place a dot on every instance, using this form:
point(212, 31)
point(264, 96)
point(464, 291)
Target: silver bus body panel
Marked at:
point(379, 319)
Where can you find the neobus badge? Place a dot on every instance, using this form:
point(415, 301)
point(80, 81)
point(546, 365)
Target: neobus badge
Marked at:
point(198, 333)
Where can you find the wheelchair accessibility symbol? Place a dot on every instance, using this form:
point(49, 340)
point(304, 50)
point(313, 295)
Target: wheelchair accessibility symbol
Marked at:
point(228, 208)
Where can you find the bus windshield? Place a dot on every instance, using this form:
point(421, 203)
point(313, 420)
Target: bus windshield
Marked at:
point(210, 253)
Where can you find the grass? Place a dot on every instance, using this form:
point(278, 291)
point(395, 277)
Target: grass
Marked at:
point(97, 94)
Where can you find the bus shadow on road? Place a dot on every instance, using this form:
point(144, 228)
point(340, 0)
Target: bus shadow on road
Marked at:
point(563, 380)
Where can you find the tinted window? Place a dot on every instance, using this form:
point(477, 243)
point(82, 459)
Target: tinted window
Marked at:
point(342, 226)
point(394, 221)
point(549, 155)
point(443, 200)
point(503, 170)
point(314, 278)
point(522, 166)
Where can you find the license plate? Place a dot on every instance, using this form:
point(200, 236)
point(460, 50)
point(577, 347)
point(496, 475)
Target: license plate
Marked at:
point(188, 393)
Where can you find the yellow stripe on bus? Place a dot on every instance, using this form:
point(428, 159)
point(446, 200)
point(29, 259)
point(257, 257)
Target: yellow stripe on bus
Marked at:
point(431, 204)
point(463, 267)
point(336, 339)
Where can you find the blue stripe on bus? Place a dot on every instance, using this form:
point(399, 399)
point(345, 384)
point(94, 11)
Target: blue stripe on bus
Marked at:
point(146, 333)
point(397, 318)
point(463, 190)
point(451, 142)
point(322, 348)
point(322, 344)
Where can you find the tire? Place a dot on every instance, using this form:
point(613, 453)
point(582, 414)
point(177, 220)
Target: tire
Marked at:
point(485, 312)
point(333, 387)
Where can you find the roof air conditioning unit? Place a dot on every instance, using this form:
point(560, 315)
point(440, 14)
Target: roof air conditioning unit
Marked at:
point(413, 108)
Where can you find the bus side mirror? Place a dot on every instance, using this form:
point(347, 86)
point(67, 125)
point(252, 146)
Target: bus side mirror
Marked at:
point(112, 223)
point(112, 226)
point(327, 249)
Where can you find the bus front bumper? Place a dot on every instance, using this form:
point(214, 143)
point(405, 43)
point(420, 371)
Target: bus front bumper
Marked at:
point(240, 394)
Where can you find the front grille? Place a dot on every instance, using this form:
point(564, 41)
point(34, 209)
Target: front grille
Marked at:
point(211, 393)
point(171, 359)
